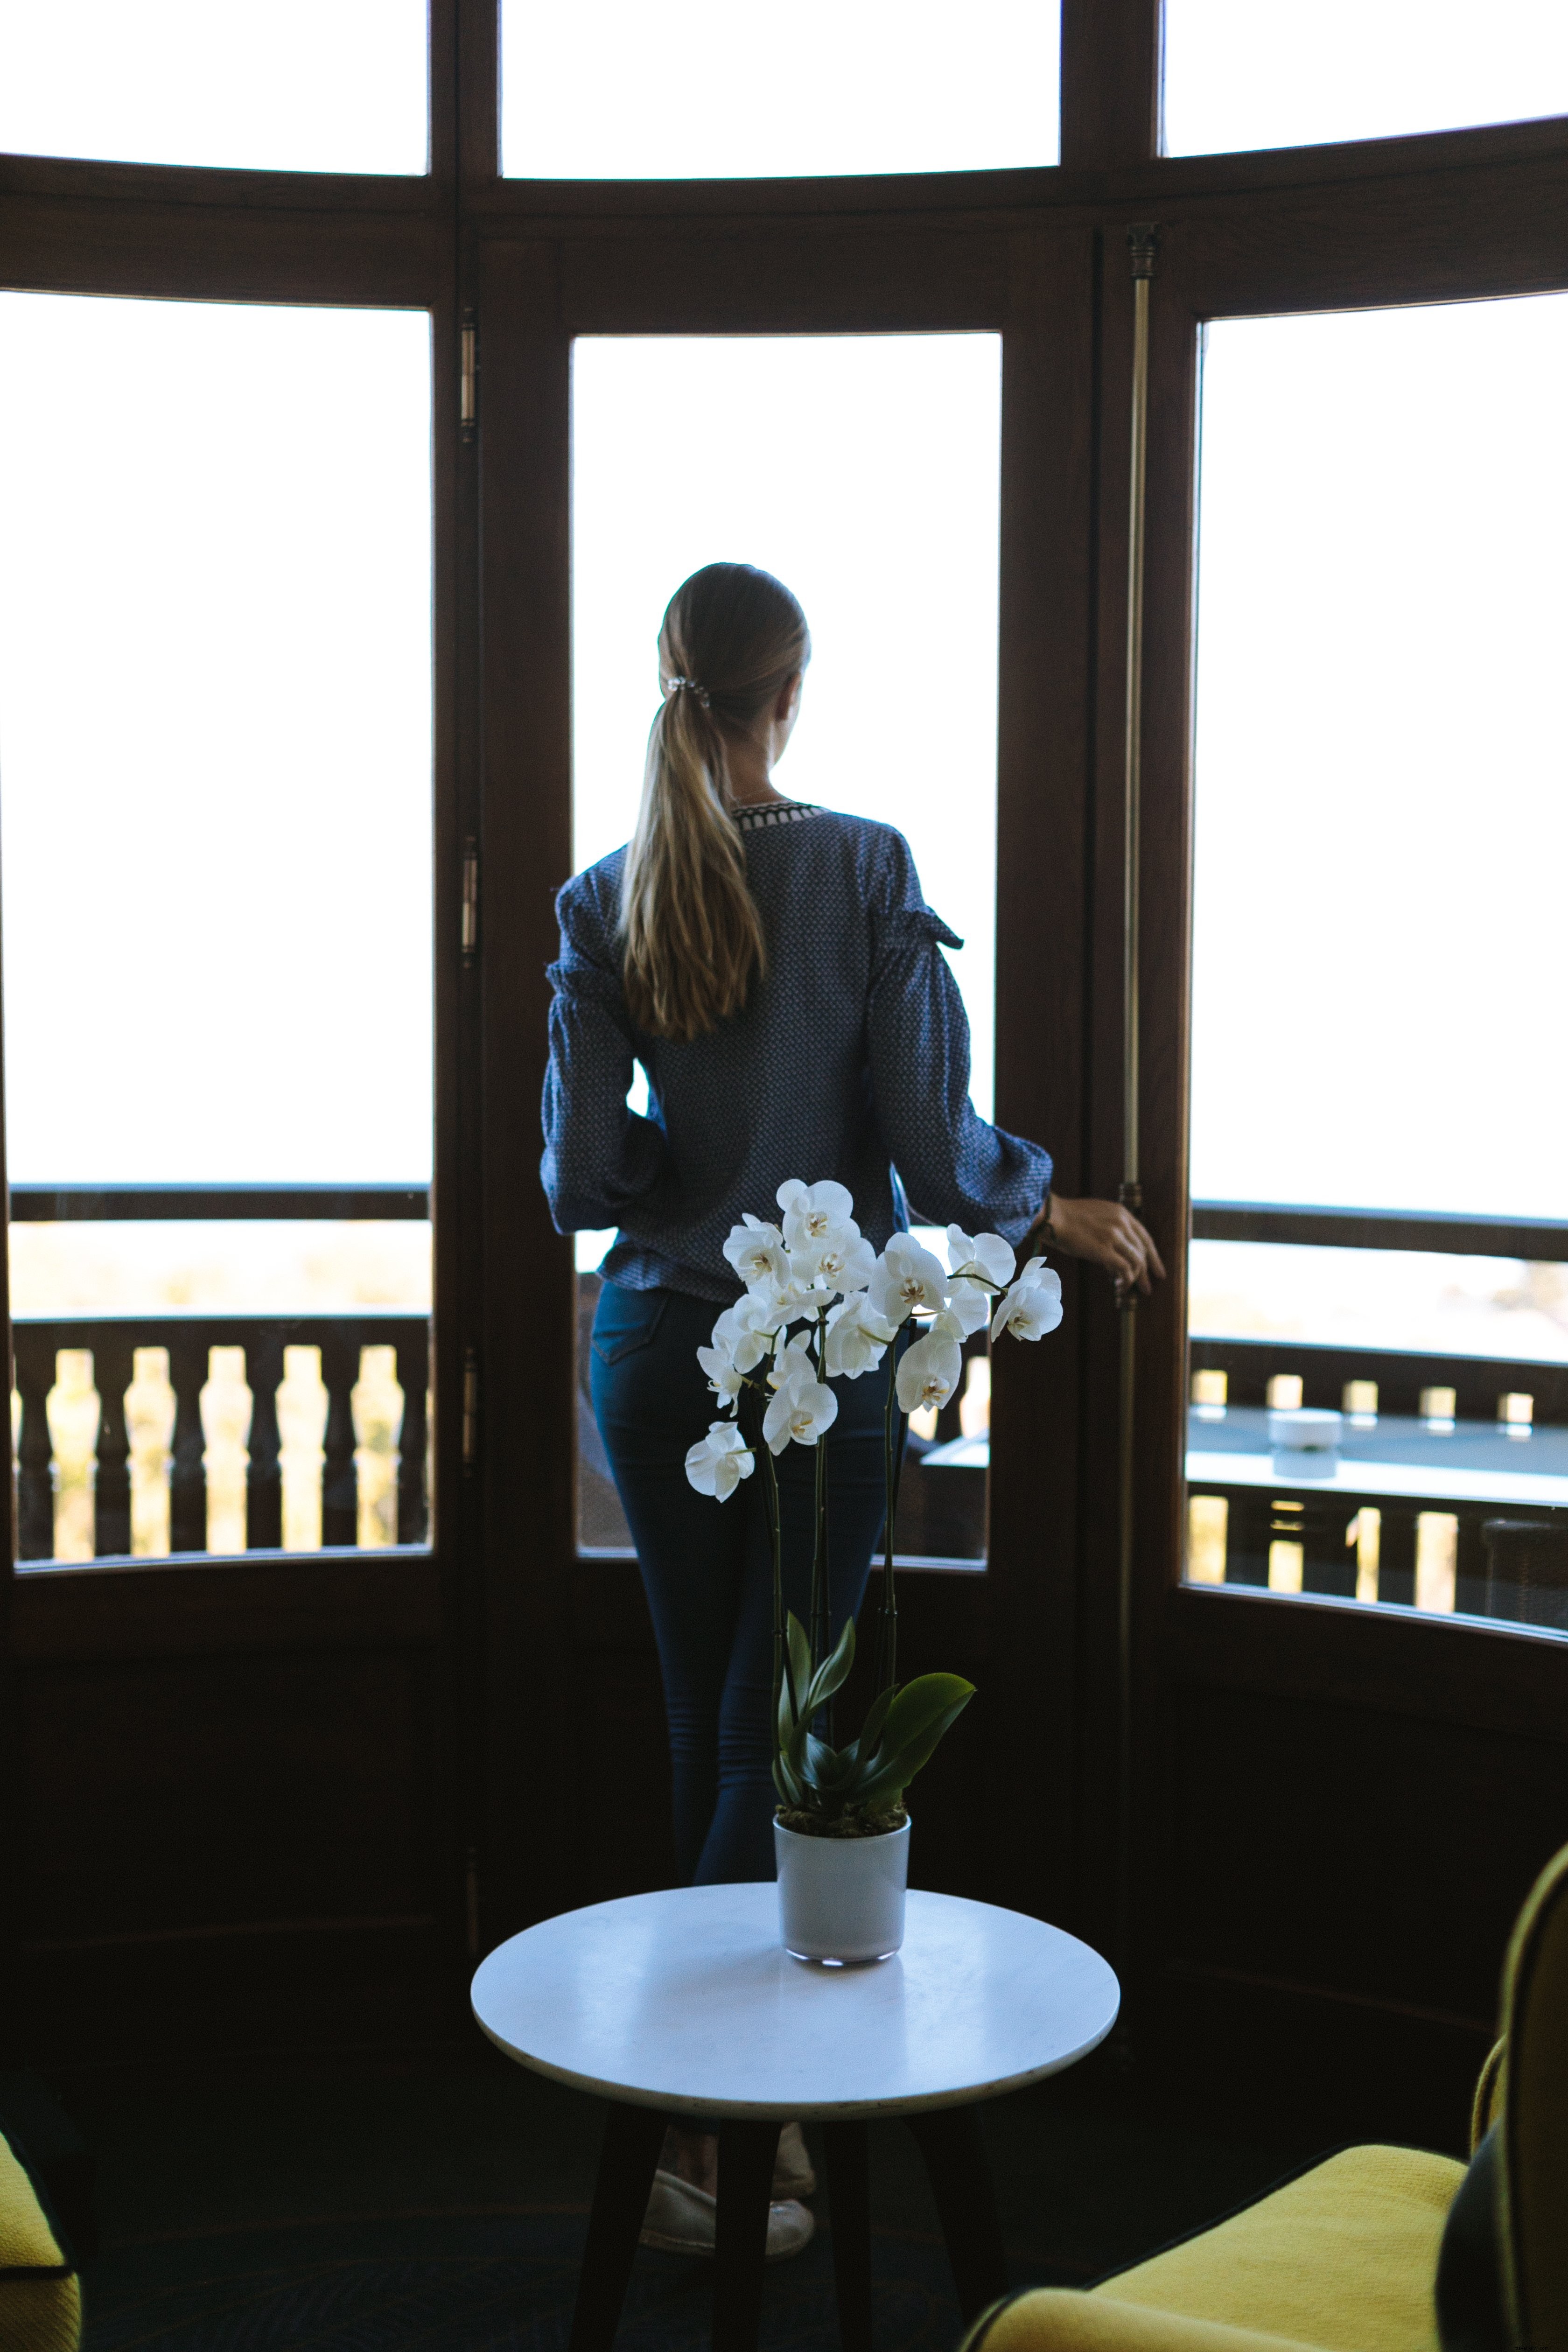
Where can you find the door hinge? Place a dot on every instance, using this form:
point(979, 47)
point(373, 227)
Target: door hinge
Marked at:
point(468, 379)
point(470, 924)
point(470, 1407)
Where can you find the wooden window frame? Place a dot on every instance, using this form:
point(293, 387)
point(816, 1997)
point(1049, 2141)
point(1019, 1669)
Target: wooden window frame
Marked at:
point(1437, 216)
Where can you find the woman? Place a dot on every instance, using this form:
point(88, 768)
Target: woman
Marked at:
point(776, 971)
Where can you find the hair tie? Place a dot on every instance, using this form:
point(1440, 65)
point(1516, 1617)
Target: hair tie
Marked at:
point(691, 687)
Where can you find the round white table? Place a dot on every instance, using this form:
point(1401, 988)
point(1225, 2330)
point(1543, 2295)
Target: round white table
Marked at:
point(684, 2002)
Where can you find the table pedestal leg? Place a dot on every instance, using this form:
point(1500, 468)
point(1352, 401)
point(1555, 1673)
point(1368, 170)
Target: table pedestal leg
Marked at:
point(633, 2138)
point(953, 2147)
point(849, 2206)
point(747, 2154)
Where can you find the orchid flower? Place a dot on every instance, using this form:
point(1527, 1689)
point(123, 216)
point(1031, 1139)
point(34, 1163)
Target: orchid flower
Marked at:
point(979, 1257)
point(858, 1338)
point(724, 1376)
point(814, 1212)
point(756, 1252)
point(718, 1462)
point(907, 1281)
point(745, 1332)
point(803, 1407)
point(931, 1369)
point(1034, 1305)
point(844, 1260)
point(789, 1360)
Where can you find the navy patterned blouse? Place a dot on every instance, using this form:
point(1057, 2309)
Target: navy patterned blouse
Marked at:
point(850, 1059)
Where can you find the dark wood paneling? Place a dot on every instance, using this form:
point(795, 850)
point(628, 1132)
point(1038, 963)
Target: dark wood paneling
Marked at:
point(284, 1985)
point(67, 1203)
point(1355, 1851)
point(527, 1432)
point(1449, 237)
point(248, 1787)
point(1544, 1239)
point(1043, 780)
point(1109, 83)
point(738, 279)
point(202, 1606)
point(1089, 191)
point(243, 254)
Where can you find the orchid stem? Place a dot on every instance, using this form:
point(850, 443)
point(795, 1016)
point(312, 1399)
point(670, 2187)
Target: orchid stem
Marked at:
point(821, 1600)
point(888, 1616)
point(780, 1668)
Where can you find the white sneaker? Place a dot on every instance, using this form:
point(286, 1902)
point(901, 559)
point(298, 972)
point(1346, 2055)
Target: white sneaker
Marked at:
point(681, 2219)
point(793, 2173)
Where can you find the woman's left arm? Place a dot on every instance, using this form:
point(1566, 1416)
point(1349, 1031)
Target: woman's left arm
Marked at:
point(954, 1166)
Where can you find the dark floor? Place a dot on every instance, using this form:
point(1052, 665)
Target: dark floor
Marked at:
point(436, 2201)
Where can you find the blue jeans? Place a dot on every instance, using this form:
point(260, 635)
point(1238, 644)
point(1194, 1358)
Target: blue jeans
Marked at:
point(707, 1566)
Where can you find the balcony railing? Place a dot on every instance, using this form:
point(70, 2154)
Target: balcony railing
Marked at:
point(1461, 1460)
point(186, 1434)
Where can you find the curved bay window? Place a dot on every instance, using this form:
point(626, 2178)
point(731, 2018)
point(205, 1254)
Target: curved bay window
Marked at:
point(356, 424)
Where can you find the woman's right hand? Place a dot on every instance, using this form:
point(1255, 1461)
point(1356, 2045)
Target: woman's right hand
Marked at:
point(1105, 1233)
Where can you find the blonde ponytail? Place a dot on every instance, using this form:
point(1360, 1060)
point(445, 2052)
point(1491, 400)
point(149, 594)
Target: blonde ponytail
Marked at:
point(693, 939)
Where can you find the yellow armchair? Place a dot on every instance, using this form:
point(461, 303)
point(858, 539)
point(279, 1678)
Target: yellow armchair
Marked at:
point(40, 2299)
point(1345, 2258)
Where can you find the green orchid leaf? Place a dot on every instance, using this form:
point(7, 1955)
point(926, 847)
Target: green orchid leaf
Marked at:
point(834, 1673)
point(923, 1710)
point(828, 1768)
point(797, 1663)
point(876, 1717)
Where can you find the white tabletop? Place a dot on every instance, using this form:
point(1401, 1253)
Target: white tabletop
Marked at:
point(687, 2000)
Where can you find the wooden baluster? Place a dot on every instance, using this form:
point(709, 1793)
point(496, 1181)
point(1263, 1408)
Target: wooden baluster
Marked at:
point(340, 1478)
point(35, 1347)
point(414, 1379)
point(1396, 1554)
point(264, 1479)
point(1470, 1563)
point(113, 1364)
point(1247, 1536)
point(187, 1478)
point(1329, 1565)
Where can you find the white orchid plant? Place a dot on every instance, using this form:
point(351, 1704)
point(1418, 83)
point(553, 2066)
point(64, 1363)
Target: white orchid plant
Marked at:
point(820, 1305)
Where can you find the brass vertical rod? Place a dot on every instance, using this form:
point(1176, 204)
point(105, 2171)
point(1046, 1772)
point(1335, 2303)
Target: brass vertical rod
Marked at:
point(1142, 240)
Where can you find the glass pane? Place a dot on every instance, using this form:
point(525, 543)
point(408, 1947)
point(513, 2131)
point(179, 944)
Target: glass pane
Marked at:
point(215, 801)
point(1238, 74)
point(849, 424)
point(615, 90)
point(1382, 833)
point(288, 86)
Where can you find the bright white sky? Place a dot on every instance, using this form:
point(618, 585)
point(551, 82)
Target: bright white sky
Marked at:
point(616, 89)
point(215, 740)
point(1381, 763)
point(288, 86)
point(1273, 73)
point(620, 89)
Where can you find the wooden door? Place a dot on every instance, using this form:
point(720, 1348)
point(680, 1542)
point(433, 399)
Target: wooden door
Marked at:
point(1338, 1808)
point(577, 1778)
point(234, 1782)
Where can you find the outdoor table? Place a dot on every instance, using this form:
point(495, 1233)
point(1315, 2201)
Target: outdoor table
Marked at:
point(685, 2003)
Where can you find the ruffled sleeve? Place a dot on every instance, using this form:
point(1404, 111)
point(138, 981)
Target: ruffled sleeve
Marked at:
point(955, 1167)
point(599, 1156)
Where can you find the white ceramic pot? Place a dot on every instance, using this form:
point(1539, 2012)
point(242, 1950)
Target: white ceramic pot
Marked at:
point(842, 1899)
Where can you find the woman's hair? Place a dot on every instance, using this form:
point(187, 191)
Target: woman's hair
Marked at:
point(693, 939)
